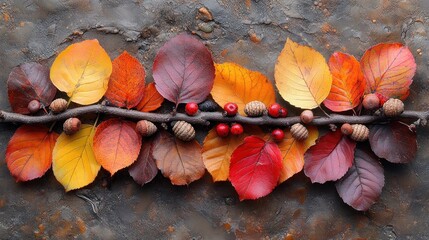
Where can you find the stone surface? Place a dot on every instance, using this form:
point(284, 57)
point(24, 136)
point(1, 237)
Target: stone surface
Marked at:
point(251, 33)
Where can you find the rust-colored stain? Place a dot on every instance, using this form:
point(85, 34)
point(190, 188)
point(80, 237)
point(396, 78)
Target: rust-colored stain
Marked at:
point(248, 4)
point(6, 17)
point(80, 225)
point(227, 227)
point(224, 52)
point(2, 202)
point(327, 28)
point(289, 237)
point(170, 229)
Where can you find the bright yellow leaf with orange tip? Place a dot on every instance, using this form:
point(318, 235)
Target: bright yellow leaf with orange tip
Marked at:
point(82, 70)
point(234, 83)
point(302, 76)
point(73, 160)
point(293, 152)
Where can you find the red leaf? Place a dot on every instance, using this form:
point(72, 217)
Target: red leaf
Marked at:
point(126, 84)
point(362, 184)
point(116, 144)
point(29, 152)
point(183, 70)
point(389, 69)
point(144, 169)
point(394, 142)
point(151, 100)
point(348, 83)
point(180, 161)
point(330, 158)
point(255, 168)
point(29, 81)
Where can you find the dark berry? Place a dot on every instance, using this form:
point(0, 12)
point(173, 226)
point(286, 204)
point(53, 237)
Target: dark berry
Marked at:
point(222, 130)
point(34, 106)
point(274, 110)
point(191, 108)
point(346, 129)
point(208, 106)
point(231, 109)
point(282, 112)
point(371, 102)
point(277, 135)
point(307, 116)
point(236, 129)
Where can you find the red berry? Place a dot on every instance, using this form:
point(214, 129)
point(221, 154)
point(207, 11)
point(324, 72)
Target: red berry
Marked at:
point(231, 109)
point(346, 129)
point(34, 106)
point(283, 112)
point(236, 129)
point(222, 130)
point(191, 108)
point(382, 98)
point(274, 110)
point(307, 116)
point(371, 102)
point(277, 135)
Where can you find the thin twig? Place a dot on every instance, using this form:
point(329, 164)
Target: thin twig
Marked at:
point(204, 118)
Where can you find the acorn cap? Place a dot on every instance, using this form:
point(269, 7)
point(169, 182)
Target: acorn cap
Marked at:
point(255, 109)
point(58, 105)
point(146, 128)
point(299, 131)
point(360, 132)
point(393, 107)
point(184, 131)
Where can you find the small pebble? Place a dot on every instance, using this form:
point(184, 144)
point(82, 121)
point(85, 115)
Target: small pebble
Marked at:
point(374, 21)
point(206, 27)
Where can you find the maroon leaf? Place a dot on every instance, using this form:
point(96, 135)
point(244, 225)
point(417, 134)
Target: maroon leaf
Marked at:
point(255, 168)
point(394, 142)
point(330, 158)
point(362, 184)
point(183, 70)
point(29, 81)
point(144, 169)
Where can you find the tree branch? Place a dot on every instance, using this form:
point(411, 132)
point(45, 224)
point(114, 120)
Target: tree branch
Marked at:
point(203, 118)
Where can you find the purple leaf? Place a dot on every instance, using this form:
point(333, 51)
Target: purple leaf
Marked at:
point(144, 169)
point(361, 186)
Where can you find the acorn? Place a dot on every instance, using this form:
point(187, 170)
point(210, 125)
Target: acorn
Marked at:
point(71, 126)
point(371, 101)
point(306, 116)
point(299, 132)
point(146, 128)
point(346, 129)
point(34, 106)
point(393, 107)
point(360, 132)
point(255, 109)
point(184, 131)
point(58, 105)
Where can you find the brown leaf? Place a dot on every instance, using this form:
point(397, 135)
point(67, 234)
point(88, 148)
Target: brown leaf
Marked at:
point(144, 169)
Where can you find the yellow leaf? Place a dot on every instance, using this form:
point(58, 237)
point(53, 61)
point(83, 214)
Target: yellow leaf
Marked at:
point(82, 70)
point(293, 152)
point(234, 83)
point(73, 160)
point(302, 76)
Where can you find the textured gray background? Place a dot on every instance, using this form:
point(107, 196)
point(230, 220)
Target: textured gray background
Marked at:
point(36, 30)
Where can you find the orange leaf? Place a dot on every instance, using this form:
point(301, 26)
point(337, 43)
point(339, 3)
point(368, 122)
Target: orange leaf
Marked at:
point(116, 144)
point(126, 84)
point(151, 100)
point(180, 161)
point(293, 153)
point(388, 69)
point(29, 152)
point(348, 83)
point(302, 76)
point(234, 83)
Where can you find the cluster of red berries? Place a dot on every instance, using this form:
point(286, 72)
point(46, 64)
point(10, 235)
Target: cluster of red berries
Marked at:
point(275, 111)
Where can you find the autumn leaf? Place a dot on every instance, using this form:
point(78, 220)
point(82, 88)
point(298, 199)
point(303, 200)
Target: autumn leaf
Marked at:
point(73, 160)
point(255, 168)
point(27, 82)
point(302, 76)
point(183, 70)
point(348, 83)
point(293, 152)
point(127, 82)
point(116, 144)
point(82, 70)
point(394, 142)
point(388, 69)
point(29, 152)
point(180, 161)
point(234, 83)
point(151, 100)
point(361, 186)
point(330, 158)
point(144, 169)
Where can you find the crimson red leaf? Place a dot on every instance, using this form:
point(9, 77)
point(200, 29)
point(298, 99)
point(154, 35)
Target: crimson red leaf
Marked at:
point(394, 142)
point(29, 152)
point(144, 169)
point(29, 81)
point(362, 184)
point(330, 158)
point(255, 168)
point(183, 70)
